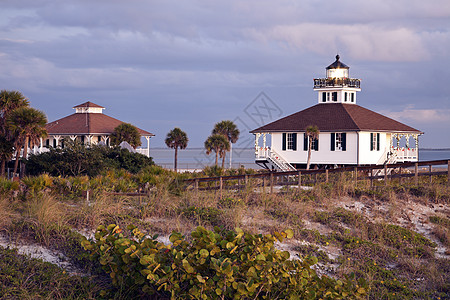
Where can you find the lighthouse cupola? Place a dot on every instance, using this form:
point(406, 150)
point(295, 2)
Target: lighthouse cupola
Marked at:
point(337, 69)
point(337, 87)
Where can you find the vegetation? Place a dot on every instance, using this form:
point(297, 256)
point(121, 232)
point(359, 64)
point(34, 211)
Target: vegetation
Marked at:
point(392, 238)
point(312, 132)
point(219, 144)
point(77, 159)
point(176, 138)
point(230, 131)
point(27, 125)
point(215, 264)
point(126, 132)
point(19, 125)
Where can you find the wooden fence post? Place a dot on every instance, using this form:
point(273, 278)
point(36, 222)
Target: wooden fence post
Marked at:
point(385, 174)
point(400, 173)
point(430, 169)
point(326, 175)
point(416, 173)
point(271, 183)
point(371, 178)
point(448, 172)
point(196, 187)
point(300, 177)
point(221, 186)
point(246, 179)
point(356, 175)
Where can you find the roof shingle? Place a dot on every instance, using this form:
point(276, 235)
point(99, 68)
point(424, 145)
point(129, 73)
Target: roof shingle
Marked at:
point(86, 123)
point(332, 117)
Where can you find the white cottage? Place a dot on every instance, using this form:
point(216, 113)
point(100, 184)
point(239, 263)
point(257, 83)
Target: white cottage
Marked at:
point(89, 125)
point(350, 135)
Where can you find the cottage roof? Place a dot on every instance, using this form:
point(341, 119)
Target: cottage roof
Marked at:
point(87, 123)
point(334, 117)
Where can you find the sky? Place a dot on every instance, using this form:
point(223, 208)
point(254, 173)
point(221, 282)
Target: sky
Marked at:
point(160, 64)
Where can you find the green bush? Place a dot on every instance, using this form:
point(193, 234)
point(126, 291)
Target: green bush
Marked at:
point(210, 215)
point(8, 187)
point(213, 265)
point(78, 159)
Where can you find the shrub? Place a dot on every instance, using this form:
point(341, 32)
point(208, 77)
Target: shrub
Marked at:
point(78, 159)
point(214, 265)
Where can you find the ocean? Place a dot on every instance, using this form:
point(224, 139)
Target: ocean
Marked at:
point(196, 158)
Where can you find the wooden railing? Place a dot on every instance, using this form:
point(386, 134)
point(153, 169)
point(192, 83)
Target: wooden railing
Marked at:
point(405, 170)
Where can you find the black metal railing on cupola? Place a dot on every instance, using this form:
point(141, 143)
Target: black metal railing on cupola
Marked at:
point(337, 82)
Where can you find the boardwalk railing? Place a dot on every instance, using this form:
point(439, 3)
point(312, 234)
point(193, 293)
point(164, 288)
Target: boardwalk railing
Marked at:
point(379, 172)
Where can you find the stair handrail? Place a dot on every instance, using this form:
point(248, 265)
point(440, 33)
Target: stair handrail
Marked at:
point(279, 160)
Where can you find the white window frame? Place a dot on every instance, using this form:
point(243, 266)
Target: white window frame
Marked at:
point(338, 141)
point(290, 141)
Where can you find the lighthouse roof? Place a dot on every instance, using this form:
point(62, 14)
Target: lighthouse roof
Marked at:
point(338, 64)
point(334, 117)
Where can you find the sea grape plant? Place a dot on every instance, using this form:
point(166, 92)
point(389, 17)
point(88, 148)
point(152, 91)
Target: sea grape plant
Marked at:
point(217, 264)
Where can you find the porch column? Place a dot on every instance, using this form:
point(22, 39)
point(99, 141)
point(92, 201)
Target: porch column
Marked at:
point(264, 141)
point(407, 140)
point(89, 139)
point(57, 137)
point(73, 137)
point(416, 144)
point(257, 135)
point(148, 145)
point(41, 145)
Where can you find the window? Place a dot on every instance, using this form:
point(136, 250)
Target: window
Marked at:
point(324, 97)
point(374, 142)
point(289, 141)
point(315, 143)
point(328, 97)
point(334, 96)
point(345, 97)
point(338, 141)
point(352, 97)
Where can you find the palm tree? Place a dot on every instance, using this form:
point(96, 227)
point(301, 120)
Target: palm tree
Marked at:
point(27, 124)
point(126, 132)
point(219, 144)
point(312, 132)
point(228, 129)
point(176, 138)
point(6, 152)
point(9, 101)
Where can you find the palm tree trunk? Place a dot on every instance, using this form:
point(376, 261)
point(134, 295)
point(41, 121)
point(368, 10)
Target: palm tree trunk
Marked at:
point(217, 156)
point(176, 159)
point(3, 166)
point(309, 153)
point(25, 152)
point(16, 163)
point(223, 160)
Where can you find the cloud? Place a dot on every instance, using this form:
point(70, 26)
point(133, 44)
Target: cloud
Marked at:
point(421, 116)
point(363, 42)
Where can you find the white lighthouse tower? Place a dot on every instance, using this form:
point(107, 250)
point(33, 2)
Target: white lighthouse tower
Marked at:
point(337, 87)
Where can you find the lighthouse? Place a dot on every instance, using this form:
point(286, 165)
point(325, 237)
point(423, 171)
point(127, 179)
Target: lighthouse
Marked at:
point(350, 135)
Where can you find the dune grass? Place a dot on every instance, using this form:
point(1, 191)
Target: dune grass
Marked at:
point(389, 235)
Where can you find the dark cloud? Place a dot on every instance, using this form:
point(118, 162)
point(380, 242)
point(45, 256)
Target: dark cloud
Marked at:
point(190, 64)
